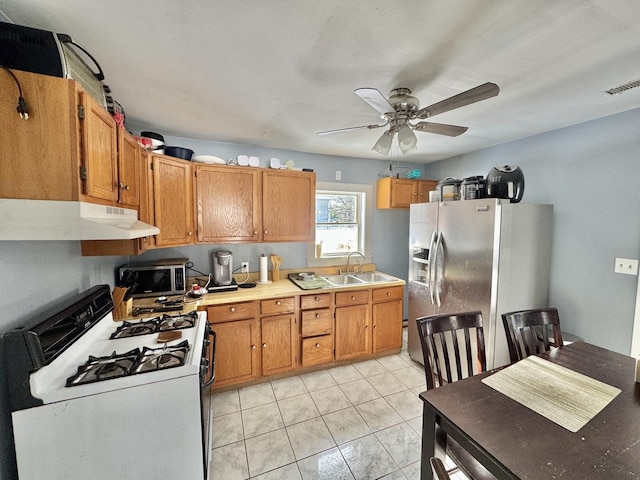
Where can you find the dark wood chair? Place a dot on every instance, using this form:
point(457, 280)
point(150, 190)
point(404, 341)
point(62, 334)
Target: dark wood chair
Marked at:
point(450, 355)
point(438, 469)
point(530, 332)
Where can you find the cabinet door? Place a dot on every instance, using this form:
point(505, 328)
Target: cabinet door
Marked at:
point(228, 204)
point(288, 206)
point(173, 201)
point(424, 187)
point(387, 326)
point(352, 334)
point(128, 169)
point(237, 354)
point(99, 150)
point(40, 156)
point(146, 211)
point(278, 344)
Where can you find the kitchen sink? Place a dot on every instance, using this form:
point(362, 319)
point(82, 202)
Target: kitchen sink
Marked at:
point(358, 278)
point(373, 277)
point(343, 279)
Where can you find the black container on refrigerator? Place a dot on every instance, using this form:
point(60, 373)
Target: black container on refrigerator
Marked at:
point(505, 182)
point(472, 188)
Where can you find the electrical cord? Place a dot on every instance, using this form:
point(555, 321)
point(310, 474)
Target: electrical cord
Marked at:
point(22, 109)
point(245, 279)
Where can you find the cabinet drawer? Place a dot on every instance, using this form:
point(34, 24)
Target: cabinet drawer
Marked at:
point(320, 300)
point(388, 293)
point(352, 298)
point(277, 305)
point(232, 311)
point(316, 322)
point(317, 350)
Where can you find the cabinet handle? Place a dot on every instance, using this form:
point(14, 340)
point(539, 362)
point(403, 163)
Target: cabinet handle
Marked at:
point(388, 294)
point(264, 345)
point(353, 297)
point(189, 233)
point(123, 186)
point(255, 233)
point(375, 327)
point(317, 315)
point(317, 345)
point(253, 347)
point(317, 299)
point(265, 232)
point(366, 327)
point(233, 309)
point(278, 302)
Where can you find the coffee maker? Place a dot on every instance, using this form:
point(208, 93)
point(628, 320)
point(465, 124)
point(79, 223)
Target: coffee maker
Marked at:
point(222, 267)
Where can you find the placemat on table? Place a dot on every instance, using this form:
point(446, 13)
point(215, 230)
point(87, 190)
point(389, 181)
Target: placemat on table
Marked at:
point(565, 397)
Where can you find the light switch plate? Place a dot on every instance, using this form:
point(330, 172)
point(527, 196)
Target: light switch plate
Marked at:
point(628, 266)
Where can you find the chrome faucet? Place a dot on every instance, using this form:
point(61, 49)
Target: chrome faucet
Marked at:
point(349, 259)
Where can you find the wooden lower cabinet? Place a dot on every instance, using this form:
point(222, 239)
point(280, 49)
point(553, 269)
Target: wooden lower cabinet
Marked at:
point(278, 343)
point(387, 326)
point(386, 314)
point(237, 355)
point(316, 325)
point(317, 350)
point(271, 336)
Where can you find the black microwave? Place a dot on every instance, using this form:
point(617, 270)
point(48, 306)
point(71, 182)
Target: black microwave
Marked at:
point(158, 278)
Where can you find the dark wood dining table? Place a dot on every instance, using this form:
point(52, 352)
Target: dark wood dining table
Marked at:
point(514, 442)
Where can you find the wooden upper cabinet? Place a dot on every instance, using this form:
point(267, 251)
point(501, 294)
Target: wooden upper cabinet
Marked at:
point(402, 192)
point(40, 156)
point(99, 150)
point(424, 187)
point(128, 184)
point(236, 204)
point(288, 206)
point(228, 204)
point(173, 201)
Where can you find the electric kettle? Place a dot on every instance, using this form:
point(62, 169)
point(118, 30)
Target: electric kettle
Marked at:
point(505, 182)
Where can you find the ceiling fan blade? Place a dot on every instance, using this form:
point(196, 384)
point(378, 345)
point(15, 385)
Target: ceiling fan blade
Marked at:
point(440, 128)
point(481, 92)
point(341, 130)
point(374, 98)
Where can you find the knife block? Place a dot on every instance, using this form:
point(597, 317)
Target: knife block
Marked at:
point(121, 308)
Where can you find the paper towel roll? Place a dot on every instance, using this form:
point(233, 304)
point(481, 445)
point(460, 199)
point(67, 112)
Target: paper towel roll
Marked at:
point(264, 269)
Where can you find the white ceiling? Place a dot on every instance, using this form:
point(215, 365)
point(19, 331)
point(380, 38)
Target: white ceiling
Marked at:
point(273, 73)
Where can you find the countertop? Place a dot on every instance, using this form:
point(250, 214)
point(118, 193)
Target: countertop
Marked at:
point(281, 288)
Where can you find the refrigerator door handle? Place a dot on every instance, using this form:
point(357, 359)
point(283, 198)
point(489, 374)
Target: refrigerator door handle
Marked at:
point(432, 261)
point(438, 271)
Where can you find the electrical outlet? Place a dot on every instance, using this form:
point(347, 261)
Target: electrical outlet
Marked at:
point(628, 266)
point(338, 175)
point(244, 267)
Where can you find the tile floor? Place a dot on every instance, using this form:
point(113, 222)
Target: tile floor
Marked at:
point(359, 421)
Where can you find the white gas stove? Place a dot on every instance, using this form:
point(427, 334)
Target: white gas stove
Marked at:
point(110, 399)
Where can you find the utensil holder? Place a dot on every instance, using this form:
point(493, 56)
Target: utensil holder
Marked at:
point(121, 308)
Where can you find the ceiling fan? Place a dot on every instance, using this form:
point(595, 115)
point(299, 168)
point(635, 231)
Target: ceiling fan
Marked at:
point(401, 108)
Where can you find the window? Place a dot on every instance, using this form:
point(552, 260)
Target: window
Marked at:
point(343, 219)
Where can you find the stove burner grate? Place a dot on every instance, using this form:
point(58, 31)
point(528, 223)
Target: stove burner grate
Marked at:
point(133, 362)
point(104, 368)
point(157, 324)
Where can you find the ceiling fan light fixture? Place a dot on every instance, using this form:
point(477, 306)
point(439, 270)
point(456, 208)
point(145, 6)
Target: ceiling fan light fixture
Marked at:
point(407, 140)
point(383, 145)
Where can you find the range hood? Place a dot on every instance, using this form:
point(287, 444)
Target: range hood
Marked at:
point(61, 220)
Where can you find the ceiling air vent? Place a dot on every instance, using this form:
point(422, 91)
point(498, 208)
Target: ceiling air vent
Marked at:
point(623, 88)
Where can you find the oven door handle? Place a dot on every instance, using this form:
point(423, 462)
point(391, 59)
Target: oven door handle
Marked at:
point(212, 362)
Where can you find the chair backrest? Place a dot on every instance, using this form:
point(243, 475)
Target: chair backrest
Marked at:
point(529, 332)
point(440, 337)
point(437, 467)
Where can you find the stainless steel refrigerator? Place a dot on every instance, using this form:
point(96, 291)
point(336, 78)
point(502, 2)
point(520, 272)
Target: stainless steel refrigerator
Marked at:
point(488, 255)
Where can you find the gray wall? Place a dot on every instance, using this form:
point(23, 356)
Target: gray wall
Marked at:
point(590, 173)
